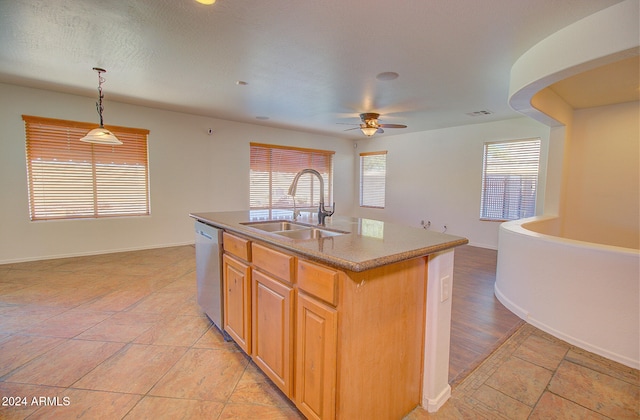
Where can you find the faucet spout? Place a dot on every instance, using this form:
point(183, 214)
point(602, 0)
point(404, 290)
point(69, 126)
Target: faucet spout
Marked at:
point(322, 212)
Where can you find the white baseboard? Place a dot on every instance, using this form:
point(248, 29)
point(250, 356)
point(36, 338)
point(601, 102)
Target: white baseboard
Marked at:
point(526, 316)
point(433, 405)
point(87, 254)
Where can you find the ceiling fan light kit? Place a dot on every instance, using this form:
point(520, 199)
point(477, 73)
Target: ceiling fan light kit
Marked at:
point(368, 131)
point(371, 126)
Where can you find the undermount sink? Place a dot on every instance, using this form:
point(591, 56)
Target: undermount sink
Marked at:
point(310, 233)
point(293, 230)
point(275, 226)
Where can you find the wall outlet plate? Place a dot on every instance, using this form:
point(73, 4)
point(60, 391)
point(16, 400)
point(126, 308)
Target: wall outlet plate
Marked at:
point(445, 288)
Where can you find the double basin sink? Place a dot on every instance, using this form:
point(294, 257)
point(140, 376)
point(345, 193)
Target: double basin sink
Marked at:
point(294, 230)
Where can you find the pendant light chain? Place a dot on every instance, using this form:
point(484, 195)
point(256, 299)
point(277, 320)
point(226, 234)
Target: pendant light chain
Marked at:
point(99, 106)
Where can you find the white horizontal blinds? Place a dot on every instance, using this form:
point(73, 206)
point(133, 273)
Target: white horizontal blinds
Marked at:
point(70, 179)
point(373, 174)
point(510, 179)
point(273, 169)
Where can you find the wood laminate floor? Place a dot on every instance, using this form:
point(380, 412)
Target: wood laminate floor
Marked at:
point(479, 322)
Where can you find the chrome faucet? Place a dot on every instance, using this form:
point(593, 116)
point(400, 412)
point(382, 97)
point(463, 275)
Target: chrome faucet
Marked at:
point(322, 212)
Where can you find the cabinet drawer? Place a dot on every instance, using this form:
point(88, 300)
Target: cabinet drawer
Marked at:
point(318, 281)
point(273, 262)
point(239, 247)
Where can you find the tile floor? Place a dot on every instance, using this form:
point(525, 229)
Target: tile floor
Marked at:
point(534, 375)
point(121, 336)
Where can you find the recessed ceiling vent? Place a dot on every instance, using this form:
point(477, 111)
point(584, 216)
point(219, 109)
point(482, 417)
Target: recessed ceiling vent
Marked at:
point(479, 113)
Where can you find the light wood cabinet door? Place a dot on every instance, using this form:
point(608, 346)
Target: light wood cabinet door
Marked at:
point(316, 335)
point(273, 329)
point(237, 301)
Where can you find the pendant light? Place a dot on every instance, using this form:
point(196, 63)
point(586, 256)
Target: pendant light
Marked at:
point(100, 135)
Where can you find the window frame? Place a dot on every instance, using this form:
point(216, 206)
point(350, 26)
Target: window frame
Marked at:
point(272, 169)
point(68, 179)
point(372, 196)
point(520, 164)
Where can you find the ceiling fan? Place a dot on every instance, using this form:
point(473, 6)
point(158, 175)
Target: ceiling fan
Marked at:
point(371, 126)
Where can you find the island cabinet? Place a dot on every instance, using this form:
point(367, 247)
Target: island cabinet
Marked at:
point(316, 335)
point(340, 344)
point(236, 281)
point(273, 318)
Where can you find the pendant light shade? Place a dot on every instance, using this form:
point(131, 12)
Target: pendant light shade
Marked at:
point(100, 135)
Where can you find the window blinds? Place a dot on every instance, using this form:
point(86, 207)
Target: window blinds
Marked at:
point(273, 169)
point(69, 179)
point(510, 179)
point(373, 174)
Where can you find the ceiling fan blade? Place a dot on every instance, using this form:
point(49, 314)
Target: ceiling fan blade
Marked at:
point(380, 131)
point(347, 124)
point(354, 128)
point(392, 126)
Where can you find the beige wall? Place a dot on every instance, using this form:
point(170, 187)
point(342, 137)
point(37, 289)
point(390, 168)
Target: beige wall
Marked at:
point(190, 171)
point(436, 176)
point(602, 198)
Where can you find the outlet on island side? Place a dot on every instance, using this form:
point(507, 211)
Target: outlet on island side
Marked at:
point(445, 288)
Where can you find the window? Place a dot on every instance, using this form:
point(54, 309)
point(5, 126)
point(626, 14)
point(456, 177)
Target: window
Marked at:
point(373, 173)
point(510, 179)
point(69, 179)
point(273, 169)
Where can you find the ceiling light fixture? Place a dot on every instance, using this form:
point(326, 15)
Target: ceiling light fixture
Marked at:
point(387, 76)
point(100, 135)
point(207, 2)
point(368, 130)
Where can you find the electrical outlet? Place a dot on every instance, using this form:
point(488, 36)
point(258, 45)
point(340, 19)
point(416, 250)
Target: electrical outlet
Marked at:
point(445, 288)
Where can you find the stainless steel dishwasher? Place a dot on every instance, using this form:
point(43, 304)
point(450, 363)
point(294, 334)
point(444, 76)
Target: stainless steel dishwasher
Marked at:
point(209, 271)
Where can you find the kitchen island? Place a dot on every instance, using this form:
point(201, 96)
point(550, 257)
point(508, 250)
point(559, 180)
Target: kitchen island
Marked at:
point(349, 320)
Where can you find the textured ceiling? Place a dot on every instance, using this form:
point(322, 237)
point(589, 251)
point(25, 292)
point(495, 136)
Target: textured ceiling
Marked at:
point(309, 65)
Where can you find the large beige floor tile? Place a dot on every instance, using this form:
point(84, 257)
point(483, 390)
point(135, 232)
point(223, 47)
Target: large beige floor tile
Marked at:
point(65, 364)
point(8, 288)
point(17, 350)
point(116, 300)
point(123, 327)
point(213, 339)
point(596, 391)
point(135, 369)
point(254, 411)
point(500, 404)
point(553, 407)
point(520, 380)
point(159, 408)
point(160, 303)
point(40, 295)
point(542, 352)
point(89, 405)
point(175, 331)
point(16, 317)
point(602, 365)
point(23, 399)
point(67, 324)
point(255, 388)
point(203, 374)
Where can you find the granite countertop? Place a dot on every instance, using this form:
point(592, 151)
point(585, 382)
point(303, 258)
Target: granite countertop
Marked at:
point(369, 243)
